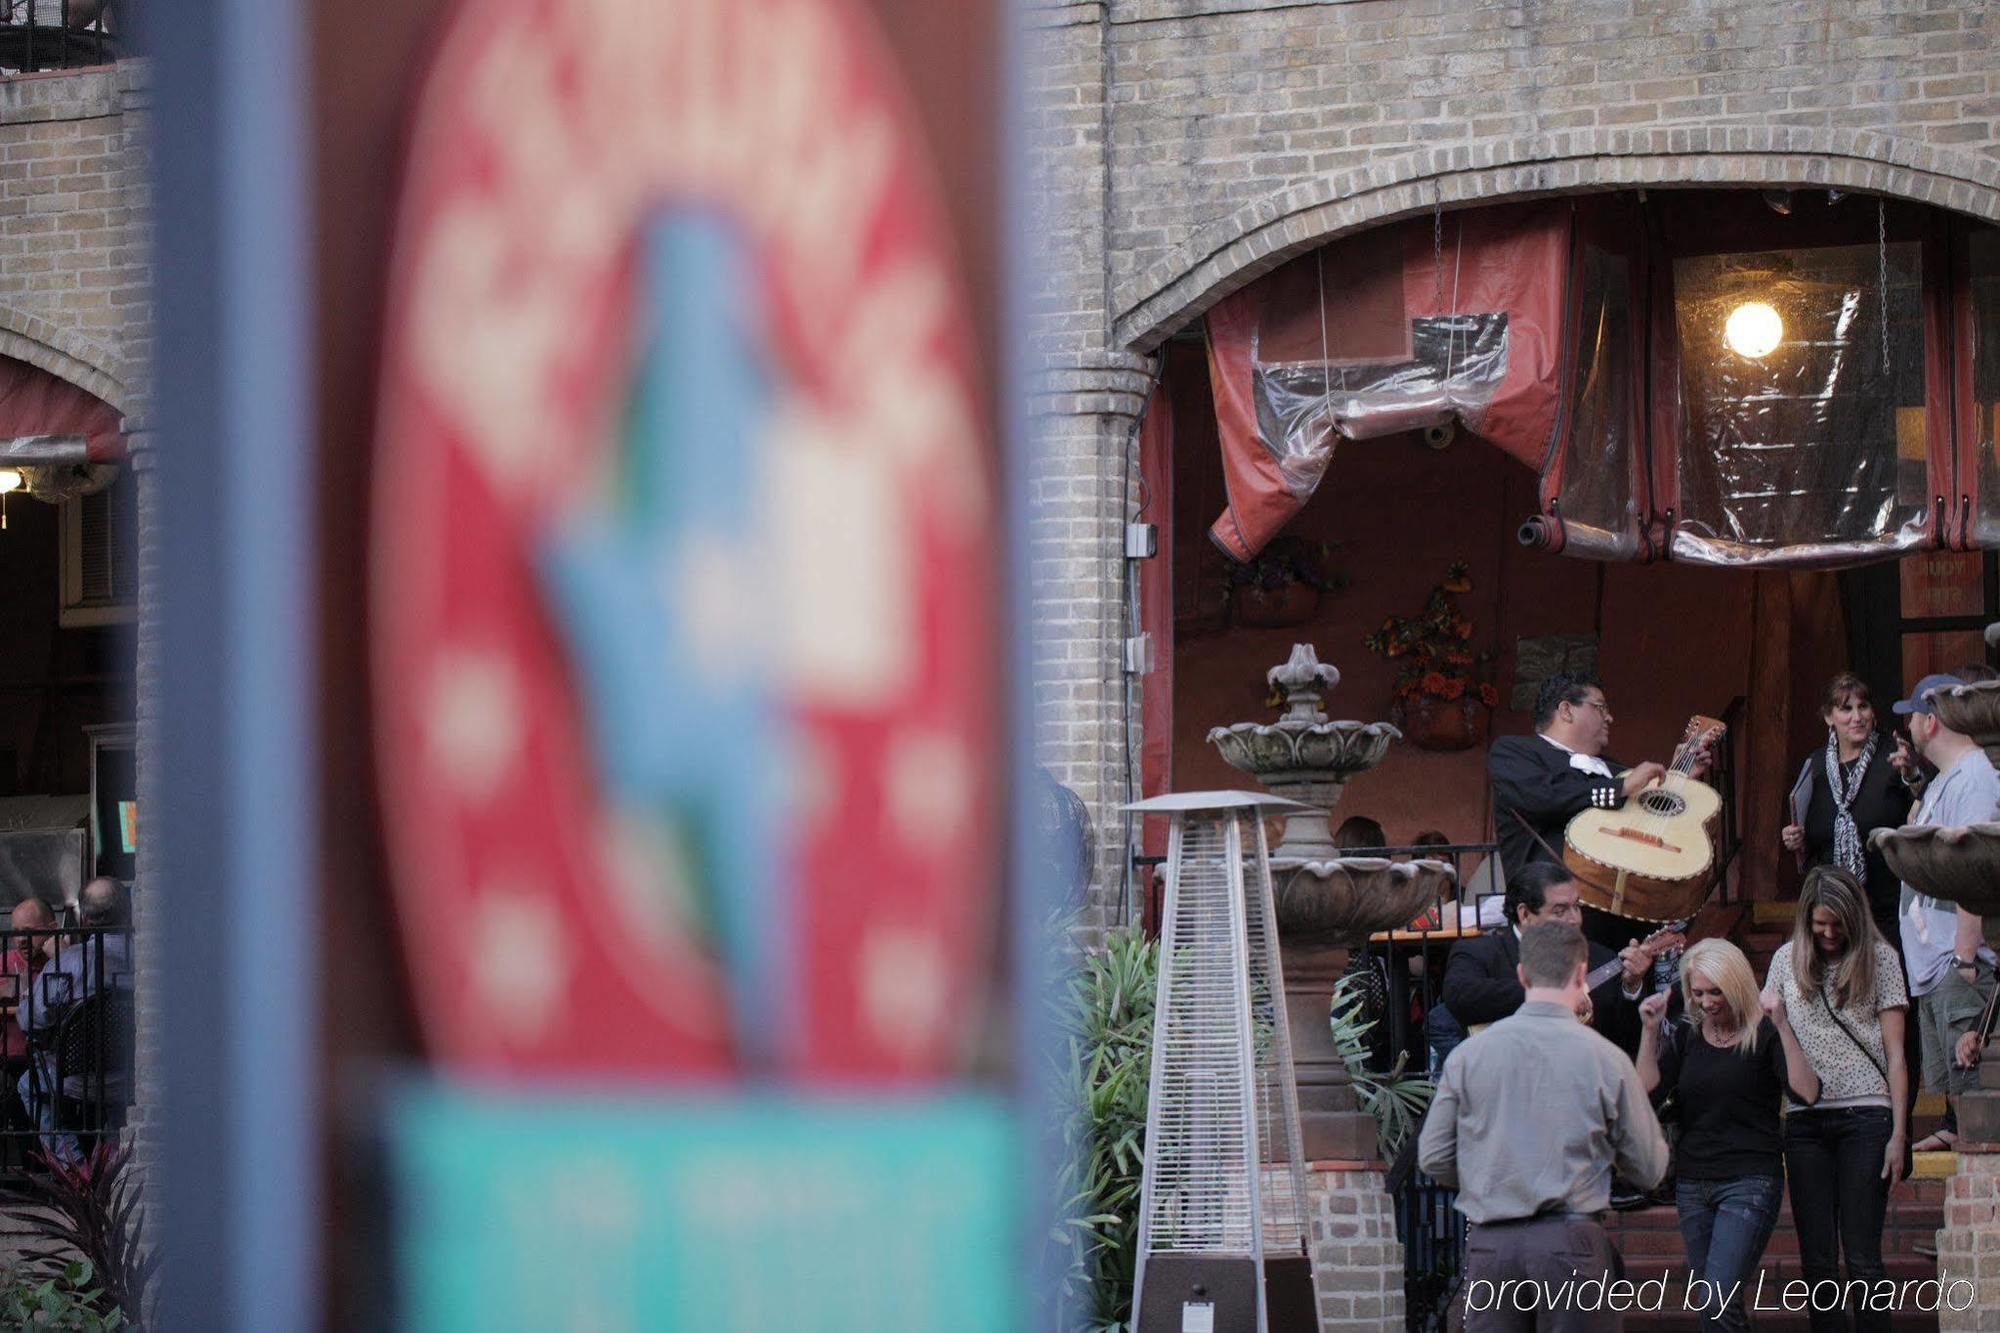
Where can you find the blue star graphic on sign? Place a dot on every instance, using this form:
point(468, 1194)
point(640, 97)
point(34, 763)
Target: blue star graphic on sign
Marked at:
point(659, 592)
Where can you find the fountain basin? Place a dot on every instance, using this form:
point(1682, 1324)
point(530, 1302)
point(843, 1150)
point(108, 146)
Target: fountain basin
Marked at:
point(1320, 752)
point(1342, 902)
point(1961, 865)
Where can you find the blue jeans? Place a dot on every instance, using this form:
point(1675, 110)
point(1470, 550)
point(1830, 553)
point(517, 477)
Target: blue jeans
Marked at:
point(1726, 1224)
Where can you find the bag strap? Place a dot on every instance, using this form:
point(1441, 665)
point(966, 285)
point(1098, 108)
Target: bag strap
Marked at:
point(1834, 1014)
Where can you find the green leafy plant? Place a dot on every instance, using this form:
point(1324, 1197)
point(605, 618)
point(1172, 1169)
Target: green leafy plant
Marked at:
point(85, 1211)
point(1106, 1017)
point(1397, 1099)
point(66, 1301)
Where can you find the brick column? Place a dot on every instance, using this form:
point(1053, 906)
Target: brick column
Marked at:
point(1969, 1242)
point(1357, 1260)
point(1085, 477)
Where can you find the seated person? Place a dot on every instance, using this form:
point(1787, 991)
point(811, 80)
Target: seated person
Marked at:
point(1480, 981)
point(1359, 833)
point(88, 965)
point(17, 973)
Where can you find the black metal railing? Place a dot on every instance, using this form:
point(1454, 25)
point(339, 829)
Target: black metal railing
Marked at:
point(1433, 1233)
point(66, 1032)
point(60, 34)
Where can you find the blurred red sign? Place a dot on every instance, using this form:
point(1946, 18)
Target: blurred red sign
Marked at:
point(683, 555)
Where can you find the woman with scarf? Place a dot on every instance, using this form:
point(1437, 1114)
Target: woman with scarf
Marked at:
point(1857, 782)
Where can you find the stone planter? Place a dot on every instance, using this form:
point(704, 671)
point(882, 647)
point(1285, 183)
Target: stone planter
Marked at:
point(1431, 723)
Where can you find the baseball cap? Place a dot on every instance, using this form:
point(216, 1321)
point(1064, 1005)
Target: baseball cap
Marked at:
point(1916, 703)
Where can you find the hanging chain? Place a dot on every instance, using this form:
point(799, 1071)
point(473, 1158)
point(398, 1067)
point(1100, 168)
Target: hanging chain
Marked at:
point(1437, 244)
point(1882, 272)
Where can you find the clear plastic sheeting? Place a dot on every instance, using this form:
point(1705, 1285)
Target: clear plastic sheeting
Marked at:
point(1596, 483)
point(1418, 324)
point(1983, 428)
point(1798, 445)
point(1455, 364)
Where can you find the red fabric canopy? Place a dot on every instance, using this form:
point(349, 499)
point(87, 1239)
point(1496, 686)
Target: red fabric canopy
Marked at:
point(34, 402)
point(1396, 329)
point(1587, 338)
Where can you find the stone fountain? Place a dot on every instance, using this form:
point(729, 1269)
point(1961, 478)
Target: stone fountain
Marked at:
point(1327, 904)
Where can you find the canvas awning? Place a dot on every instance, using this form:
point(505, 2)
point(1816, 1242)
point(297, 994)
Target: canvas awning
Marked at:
point(1591, 339)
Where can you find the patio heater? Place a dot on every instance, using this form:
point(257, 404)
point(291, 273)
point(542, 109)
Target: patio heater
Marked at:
point(1222, 1207)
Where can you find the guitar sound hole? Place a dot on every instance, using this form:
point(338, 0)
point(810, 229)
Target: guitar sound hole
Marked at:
point(1661, 803)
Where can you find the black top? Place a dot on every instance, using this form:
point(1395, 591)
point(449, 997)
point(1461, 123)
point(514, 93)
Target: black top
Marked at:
point(1481, 986)
point(1729, 1103)
point(1534, 782)
point(1882, 802)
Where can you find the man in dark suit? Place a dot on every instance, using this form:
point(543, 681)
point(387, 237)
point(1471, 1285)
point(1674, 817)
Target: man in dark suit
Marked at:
point(1481, 981)
point(1543, 781)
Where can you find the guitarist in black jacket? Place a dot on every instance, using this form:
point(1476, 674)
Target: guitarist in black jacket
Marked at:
point(1541, 782)
point(1480, 982)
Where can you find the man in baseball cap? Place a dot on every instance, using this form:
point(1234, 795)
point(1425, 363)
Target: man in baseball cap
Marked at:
point(1917, 703)
point(1951, 971)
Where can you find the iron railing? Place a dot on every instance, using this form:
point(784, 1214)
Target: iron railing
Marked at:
point(61, 34)
point(66, 1029)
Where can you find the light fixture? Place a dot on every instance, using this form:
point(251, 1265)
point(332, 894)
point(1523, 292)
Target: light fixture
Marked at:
point(1753, 330)
point(10, 480)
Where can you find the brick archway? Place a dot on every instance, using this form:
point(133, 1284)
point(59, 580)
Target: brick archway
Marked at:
point(1263, 235)
point(41, 344)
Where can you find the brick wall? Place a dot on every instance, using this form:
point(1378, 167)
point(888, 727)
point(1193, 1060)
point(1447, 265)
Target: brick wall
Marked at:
point(74, 284)
point(1218, 110)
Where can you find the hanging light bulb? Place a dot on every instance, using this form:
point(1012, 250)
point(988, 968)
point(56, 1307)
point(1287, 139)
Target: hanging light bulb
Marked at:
point(10, 480)
point(1753, 330)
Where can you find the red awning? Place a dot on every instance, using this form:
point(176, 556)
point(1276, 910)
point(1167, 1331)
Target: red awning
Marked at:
point(1397, 329)
point(1588, 339)
point(34, 402)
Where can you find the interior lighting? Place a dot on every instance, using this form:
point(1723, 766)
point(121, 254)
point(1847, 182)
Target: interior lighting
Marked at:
point(10, 480)
point(1753, 330)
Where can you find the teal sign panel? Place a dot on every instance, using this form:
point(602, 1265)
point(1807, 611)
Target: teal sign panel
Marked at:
point(561, 1214)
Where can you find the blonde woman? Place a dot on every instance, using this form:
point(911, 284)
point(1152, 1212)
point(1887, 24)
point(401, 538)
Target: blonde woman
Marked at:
point(1731, 1060)
point(1842, 988)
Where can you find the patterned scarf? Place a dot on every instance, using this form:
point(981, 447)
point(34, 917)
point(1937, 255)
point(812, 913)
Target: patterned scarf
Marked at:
point(1847, 853)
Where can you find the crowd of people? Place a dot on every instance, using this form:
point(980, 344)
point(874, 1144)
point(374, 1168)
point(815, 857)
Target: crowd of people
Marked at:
point(1802, 1084)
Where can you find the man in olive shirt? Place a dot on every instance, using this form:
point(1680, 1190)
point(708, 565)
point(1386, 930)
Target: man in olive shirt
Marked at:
point(1531, 1118)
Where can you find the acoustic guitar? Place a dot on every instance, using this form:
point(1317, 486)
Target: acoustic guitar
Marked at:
point(1654, 858)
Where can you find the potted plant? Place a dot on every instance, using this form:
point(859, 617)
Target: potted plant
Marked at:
point(1442, 692)
point(1281, 587)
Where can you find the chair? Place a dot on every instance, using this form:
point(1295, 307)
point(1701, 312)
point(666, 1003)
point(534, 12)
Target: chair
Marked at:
point(92, 1049)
